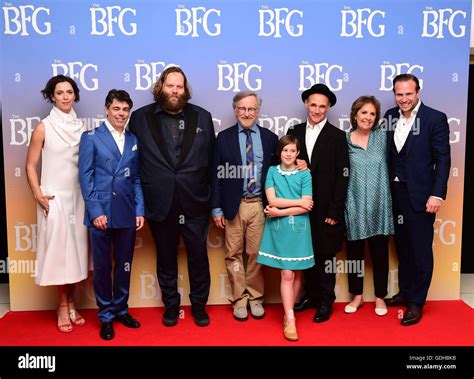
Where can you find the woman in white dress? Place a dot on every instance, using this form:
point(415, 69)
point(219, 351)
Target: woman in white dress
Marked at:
point(62, 249)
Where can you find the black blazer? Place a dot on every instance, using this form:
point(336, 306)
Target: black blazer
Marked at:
point(160, 177)
point(227, 191)
point(330, 173)
point(428, 157)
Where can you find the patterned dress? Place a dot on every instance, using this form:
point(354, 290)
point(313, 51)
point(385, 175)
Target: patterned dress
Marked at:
point(286, 242)
point(368, 209)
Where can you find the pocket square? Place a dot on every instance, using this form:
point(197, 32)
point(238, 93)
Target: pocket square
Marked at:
point(135, 147)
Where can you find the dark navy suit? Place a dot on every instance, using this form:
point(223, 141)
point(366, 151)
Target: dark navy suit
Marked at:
point(227, 191)
point(110, 185)
point(422, 167)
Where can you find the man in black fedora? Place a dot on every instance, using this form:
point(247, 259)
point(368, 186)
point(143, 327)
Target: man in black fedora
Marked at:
point(324, 148)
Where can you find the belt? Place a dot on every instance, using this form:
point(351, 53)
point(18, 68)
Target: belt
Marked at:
point(252, 199)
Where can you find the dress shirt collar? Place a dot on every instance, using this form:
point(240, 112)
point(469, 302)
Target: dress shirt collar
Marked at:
point(318, 126)
point(113, 130)
point(253, 128)
point(413, 112)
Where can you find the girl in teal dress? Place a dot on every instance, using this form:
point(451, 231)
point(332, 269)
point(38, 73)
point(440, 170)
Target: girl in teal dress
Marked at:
point(286, 242)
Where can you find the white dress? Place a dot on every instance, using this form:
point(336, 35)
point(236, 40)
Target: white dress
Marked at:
point(62, 250)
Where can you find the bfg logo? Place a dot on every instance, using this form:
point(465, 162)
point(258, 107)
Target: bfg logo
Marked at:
point(187, 21)
point(78, 71)
point(354, 22)
point(231, 74)
point(18, 19)
point(272, 19)
point(104, 19)
point(435, 21)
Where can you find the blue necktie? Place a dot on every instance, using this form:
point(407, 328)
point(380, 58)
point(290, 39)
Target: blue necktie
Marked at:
point(251, 181)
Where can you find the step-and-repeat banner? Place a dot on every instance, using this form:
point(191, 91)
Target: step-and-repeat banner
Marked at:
point(277, 48)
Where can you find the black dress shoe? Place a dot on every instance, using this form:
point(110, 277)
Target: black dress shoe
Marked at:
point(323, 313)
point(170, 317)
point(303, 305)
point(128, 321)
point(396, 301)
point(201, 318)
point(107, 331)
point(412, 315)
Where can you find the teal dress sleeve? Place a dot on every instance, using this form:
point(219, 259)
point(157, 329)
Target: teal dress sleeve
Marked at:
point(306, 184)
point(269, 182)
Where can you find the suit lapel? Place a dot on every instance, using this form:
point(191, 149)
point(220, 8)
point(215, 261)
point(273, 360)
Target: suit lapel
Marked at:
point(106, 138)
point(299, 131)
point(323, 135)
point(267, 150)
point(412, 136)
point(190, 130)
point(235, 147)
point(156, 130)
point(126, 149)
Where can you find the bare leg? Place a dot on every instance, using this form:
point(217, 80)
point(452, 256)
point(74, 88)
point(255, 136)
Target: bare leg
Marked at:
point(74, 315)
point(64, 323)
point(297, 285)
point(288, 295)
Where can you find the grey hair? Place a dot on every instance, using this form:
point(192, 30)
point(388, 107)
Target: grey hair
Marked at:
point(243, 94)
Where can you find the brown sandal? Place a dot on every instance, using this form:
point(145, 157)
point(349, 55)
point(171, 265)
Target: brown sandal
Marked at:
point(75, 317)
point(64, 328)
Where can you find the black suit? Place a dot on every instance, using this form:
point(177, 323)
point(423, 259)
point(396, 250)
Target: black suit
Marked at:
point(177, 196)
point(329, 170)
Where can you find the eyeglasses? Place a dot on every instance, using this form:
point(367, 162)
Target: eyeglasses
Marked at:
point(243, 110)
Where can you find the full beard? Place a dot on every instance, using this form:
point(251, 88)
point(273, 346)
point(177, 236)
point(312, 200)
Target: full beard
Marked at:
point(173, 104)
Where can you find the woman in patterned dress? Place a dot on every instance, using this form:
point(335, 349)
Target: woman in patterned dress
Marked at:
point(62, 248)
point(368, 211)
point(286, 242)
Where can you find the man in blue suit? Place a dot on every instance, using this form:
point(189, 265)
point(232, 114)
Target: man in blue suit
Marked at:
point(419, 164)
point(237, 191)
point(176, 141)
point(110, 184)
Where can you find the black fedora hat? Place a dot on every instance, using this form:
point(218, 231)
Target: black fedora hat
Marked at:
point(321, 89)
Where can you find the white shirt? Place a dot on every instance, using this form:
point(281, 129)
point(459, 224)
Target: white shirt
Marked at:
point(312, 134)
point(119, 138)
point(404, 126)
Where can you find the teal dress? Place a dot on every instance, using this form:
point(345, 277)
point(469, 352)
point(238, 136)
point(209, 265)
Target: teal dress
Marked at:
point(368, 209)
point(286, 242)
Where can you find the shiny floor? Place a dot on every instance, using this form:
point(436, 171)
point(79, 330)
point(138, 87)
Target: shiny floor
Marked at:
point(467, 293)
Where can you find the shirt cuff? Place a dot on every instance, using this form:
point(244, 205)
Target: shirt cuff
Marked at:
point(437, 197)
point(217, 212)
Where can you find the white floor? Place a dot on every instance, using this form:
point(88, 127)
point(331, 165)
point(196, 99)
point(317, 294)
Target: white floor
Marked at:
point(467, 293)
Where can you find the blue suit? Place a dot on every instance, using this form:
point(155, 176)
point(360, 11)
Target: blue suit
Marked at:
point(422, 167)
point(226, 192)
point(110, 185)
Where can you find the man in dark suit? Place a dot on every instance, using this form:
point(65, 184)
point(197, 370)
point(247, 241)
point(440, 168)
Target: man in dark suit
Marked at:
point(242, 156)
point(324, 149)
point(176, 147)
point(110, 184)
point(419, 164)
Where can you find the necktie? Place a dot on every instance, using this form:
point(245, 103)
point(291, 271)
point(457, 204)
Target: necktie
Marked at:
point(251, 181)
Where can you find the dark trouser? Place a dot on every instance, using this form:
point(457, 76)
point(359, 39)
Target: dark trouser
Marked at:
point(319, 283)
point(378, 248)
point(414, 243)
point(117, 243)
point(166, 236)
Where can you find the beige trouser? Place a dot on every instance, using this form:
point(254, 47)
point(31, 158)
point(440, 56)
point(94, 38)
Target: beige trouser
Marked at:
point(244, 234)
